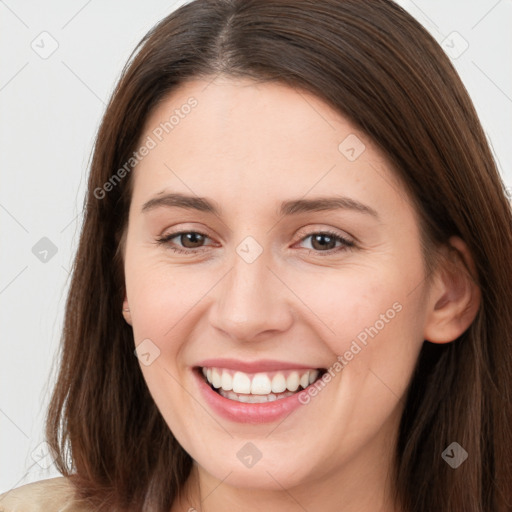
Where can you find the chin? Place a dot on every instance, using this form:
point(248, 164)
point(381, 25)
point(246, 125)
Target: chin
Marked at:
point(264, 475)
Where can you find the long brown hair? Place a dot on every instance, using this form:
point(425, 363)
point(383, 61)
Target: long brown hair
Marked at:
point(382, 70)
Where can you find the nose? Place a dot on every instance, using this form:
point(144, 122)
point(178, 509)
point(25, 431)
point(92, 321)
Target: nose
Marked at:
point(251, 302)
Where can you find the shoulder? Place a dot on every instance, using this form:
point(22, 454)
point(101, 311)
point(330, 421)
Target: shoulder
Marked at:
point(55, 494)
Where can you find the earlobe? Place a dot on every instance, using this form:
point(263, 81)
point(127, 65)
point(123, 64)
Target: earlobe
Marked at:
point(455, 296)
point(126, 311)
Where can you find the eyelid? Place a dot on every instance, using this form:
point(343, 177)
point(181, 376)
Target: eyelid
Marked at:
point(183, 228)
point(166, 238)
point(345, 243)
point(302, 236)
point(313, 230)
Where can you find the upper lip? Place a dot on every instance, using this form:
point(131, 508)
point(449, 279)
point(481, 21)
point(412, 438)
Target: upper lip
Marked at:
point(262, 365)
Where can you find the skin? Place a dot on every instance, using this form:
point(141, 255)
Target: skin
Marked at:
point(247, 147)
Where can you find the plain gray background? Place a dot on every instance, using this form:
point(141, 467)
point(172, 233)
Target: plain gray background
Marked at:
point(60, 61)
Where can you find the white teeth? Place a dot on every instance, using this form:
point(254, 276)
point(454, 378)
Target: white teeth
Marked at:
point(273, 386)
point(254, 399)
point(292, 382)
point(227, 381)
point(216, 378)
point(261, 385)
point(278, 383)
point(241, 383)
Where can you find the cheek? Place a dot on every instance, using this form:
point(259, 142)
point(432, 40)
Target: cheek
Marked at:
point(348, 302)
point(342, 305)
point(161, 295)
point(370, 319)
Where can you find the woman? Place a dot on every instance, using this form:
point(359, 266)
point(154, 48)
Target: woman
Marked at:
point(295, 224)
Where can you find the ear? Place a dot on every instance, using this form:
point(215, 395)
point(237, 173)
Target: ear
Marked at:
point(126, 311)
point(454, 297)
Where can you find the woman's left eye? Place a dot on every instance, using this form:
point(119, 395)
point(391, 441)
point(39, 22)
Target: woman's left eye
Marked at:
point(192, 242)
point(326, 241)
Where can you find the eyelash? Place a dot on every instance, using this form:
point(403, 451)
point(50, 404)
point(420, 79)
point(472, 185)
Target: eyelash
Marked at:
point(346, 244)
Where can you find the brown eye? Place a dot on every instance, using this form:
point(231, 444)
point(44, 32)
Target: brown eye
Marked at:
point(184, 241)
point(327, 242)
point(191, 240)
point(322, 241)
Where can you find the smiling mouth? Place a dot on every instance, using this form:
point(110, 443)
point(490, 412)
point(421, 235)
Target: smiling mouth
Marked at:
point(259, 387)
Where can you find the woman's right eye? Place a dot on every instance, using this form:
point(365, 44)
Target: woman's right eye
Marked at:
point(185, 238)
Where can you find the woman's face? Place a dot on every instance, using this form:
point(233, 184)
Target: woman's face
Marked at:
point(264, 292)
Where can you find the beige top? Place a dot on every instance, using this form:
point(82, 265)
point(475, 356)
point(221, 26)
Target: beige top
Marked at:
point(53, 495)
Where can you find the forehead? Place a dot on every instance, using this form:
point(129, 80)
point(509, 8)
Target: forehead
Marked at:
point(239, 139)
point(273, 116)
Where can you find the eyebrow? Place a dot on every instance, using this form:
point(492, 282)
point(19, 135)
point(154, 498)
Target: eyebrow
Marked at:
point(290, 207)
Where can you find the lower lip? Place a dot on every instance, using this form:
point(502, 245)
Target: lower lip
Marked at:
point(242, 412)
